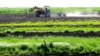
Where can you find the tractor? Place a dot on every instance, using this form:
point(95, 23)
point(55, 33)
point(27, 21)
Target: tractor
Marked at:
point(41, 11)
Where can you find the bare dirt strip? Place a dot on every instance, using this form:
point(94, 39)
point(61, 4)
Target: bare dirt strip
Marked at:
point(30, 17)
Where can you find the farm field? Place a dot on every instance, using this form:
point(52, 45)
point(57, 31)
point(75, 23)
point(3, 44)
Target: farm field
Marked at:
point(53, 9)
point(20, 45)
point(50, 26)
point(50, 38)
point(45, 45)
point(78, 37)
point(13, 10)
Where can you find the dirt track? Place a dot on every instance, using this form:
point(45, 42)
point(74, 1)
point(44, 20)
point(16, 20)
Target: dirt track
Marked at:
point(30, 17)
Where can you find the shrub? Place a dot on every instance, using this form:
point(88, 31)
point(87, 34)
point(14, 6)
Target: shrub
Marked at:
point(23, 47)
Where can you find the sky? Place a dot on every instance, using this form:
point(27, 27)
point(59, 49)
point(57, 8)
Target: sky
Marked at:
point(51, 3)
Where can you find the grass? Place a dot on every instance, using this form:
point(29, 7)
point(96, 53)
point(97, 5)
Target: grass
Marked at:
point(14, 10)
point(49, 44)
point(53, 9)
point(62, 23)
point(50, 26)
point(68, 45)
point(71, 9)
point(51, 29)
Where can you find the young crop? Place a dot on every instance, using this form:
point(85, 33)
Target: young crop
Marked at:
point(61, 45)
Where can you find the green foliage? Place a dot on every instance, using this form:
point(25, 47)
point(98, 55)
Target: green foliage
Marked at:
point(51, 26)
point(14, 10)
point(49, 45)
point(24, 47)
point(53, 9)
point(68, 45)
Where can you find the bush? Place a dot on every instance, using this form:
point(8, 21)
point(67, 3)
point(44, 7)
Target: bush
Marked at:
point(23, 47)
point(66, 31)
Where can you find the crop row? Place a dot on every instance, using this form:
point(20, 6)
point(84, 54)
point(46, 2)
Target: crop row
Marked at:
point(57, 31)
point(49, 45)
point(52, 23)
point(49, 29)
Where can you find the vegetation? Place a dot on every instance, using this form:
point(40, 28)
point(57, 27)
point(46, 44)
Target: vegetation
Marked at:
point(42, 45)
point(76, 9)
point(56, 45)
point(13, 45)
point(56, 9)
point(52, 23)
point(14, 10)
point(71, 26)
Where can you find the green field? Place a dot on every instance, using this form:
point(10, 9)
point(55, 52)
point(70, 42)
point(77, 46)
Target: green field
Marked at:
point(20, 45)
point(50, 26)
point(53, 9)
point(14, 10)
point(76, 9)
point(13, 45)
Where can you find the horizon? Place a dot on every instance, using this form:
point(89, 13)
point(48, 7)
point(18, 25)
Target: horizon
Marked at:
point(53, 3)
